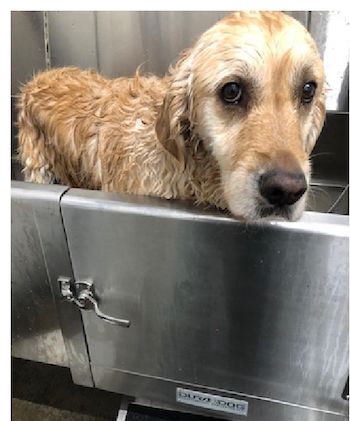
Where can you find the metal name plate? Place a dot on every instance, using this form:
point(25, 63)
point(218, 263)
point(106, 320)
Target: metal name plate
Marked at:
point(213, 402)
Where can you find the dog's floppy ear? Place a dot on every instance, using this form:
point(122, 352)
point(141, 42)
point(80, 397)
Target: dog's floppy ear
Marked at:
point(174, 119)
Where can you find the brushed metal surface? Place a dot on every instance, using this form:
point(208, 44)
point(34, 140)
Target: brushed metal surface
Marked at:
point(330, 157)
point(162, 394)
point(36, 333)
point(72, 38)
point(330, 167)
point(37, 223)
point(27, 47)
point(153, 39)
point(331, 32)
point(328, 199)
point(116, 43)
point(257, 309)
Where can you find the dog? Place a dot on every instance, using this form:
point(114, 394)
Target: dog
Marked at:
point(232, 124)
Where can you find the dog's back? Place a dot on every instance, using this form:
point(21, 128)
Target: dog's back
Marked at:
point(60, 115)
point(58, 110)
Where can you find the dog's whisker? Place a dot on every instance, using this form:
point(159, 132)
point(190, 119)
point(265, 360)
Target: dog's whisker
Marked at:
point(321, 154)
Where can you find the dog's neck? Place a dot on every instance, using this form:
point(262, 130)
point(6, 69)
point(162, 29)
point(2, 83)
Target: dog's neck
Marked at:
point(202, 173)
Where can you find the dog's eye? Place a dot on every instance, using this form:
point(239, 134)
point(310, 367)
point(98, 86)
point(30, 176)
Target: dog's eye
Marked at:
point(231, 93)
point(308, 93)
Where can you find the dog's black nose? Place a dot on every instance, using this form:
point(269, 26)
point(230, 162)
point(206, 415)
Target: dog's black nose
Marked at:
point(282, 188)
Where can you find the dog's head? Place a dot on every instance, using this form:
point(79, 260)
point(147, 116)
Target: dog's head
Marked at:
point(252, 89)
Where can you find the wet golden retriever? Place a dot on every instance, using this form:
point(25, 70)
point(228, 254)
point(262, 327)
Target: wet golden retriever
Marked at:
point(231, 125)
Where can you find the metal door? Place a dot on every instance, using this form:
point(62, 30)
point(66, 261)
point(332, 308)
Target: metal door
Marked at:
point(36, 332)
point(44, 327)
point(258, 312)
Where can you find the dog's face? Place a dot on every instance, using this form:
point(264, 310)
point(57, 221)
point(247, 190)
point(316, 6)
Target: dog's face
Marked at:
point(252, 89)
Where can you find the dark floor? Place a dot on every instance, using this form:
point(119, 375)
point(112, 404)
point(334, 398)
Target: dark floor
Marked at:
point(42, 392)
point(46, 392)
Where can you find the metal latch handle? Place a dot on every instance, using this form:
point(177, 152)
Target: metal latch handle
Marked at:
point(81, 293)
point(84, 295)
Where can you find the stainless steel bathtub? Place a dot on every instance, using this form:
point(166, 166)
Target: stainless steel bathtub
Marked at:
point(257, 313)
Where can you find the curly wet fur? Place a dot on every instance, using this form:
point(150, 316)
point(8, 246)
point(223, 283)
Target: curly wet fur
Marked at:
point(171, 137)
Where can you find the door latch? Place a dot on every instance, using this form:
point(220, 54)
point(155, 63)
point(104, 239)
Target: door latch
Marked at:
point(82, 294)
